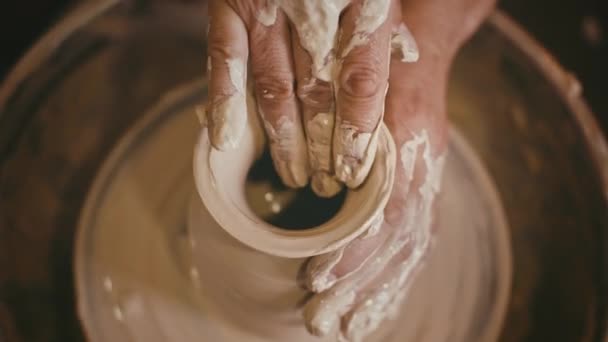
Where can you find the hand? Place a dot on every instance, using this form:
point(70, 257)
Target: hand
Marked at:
point(326, 131)
point(360, 285)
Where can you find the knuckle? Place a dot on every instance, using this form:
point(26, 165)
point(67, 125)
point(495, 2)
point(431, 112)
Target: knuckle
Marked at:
point(220, 51)
point(363, 123)
point(315, 94)
point(361, 80)
point(274, 88)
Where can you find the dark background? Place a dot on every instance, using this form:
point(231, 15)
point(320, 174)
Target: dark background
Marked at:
point(576, 31)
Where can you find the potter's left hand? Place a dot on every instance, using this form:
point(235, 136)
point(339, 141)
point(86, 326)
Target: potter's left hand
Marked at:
point(319, 70)
point(360, 285)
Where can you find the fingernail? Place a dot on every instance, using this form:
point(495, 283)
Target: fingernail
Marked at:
point(322, 312)
point(228, 121)
point(325, 185)
point(354, 153)
point(319, 271)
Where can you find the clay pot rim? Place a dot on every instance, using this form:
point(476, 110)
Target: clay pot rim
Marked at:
point(362, 207)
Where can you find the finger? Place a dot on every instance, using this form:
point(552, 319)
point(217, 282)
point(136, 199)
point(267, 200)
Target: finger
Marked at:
point(337, 274)
point(318, 111)
point(362, 86)
point(382, 297)
point(323, 271)
point(274, 79)
point(322, 313)
point(324, 310)
point(227, 113)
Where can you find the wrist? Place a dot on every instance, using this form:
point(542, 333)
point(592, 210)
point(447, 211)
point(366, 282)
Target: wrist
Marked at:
point(441, 26)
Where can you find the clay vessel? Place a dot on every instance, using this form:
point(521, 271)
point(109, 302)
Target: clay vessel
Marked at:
point(250, 267)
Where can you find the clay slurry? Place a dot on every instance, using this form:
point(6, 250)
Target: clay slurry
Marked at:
point(283, 207)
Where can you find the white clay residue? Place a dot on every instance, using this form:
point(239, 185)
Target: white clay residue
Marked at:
point(364, 322)
point(267, 15)
point(373, 14)
point(354, 151)
point(321, 316)
point(316, 22)
point(236, 70)
point(409, 153)
point(288, 152)
point(403, 42)
point(229, 121)
point(416, 232)
point(229, 115)
point(319, 270)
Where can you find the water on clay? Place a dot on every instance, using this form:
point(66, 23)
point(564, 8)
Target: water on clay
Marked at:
point(136, 279)
point(283, 207)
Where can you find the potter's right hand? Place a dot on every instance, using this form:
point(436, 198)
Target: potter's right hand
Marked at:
point(300, 91)
point(355, 288)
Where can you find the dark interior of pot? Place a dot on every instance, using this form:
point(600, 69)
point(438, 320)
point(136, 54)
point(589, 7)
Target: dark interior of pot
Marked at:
point(78, 95)
point(283, 207)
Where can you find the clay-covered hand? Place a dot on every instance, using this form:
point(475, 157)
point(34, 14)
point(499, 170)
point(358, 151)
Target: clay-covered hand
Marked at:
point(357, 287)
point(320, 76)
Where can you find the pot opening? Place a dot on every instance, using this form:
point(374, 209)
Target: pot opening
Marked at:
point(283, 207)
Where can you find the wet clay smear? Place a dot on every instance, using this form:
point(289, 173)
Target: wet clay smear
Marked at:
point(283, 207)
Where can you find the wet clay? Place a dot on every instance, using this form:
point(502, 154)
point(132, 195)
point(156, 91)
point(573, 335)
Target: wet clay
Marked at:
point(221, 178)
point(144, 274)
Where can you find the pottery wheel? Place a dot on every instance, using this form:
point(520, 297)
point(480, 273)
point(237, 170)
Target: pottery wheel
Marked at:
point(131, 287)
